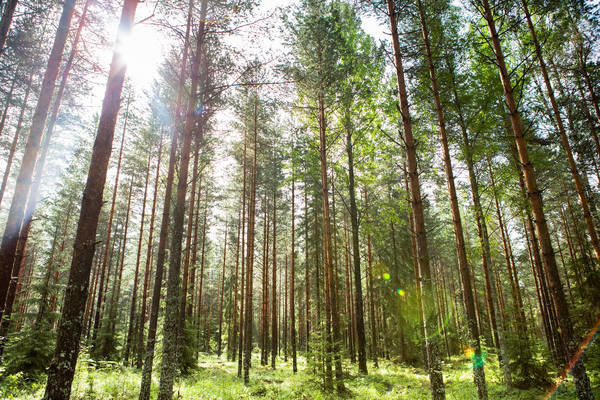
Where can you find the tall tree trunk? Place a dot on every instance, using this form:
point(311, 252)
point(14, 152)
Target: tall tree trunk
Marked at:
point(370, 290)
point(328, 249)
point(429, 317)
point(202, 258)
point(582, 382)
point(147, 272)
point(129, 345)
point(487, 263)
point(306, 272)
point(248, 315)
point(62, 367)
point(243, 271)
point(264, 331)
point(164, 227)
point(358, 296)
point(171, 327)
point(16, 212)
point(188, 247)
point(13, 146)
point(583, 199)
point(293, 278)
point(219, 340)
point(274, 326)
point(108, 234)
point(232, 344)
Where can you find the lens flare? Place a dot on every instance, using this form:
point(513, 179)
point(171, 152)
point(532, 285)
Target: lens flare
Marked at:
point(592, 335)
point(469, 352)
point(386, 276)
point(401, 292)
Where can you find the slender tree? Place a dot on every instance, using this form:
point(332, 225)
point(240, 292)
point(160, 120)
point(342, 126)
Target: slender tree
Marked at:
point(62, 368)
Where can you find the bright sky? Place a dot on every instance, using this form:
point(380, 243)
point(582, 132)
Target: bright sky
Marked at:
point(147, 47)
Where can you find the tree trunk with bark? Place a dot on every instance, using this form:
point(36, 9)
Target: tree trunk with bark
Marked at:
point(62, 367)
point(171, 327)
point(164, 227)
point(428, 306)
point(582, 382)
point(16, 212)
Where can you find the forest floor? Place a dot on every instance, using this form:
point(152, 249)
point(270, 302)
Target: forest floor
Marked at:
point(217, 379)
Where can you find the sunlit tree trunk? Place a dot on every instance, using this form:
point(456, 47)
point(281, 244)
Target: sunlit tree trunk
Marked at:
point(358, 296)
point(582, 382)
point(171, 331)
point(62, 367)
point(248, 312)
point(429, 317)
point(16, 212)
point(164, 227)
point(111, 214)
point(13, 146)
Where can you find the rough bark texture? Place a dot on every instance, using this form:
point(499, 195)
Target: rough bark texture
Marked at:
point(292, 280)
point(164, 227)
point(248, 315)
point(105, 257)
point(16, 212)
point(582, 382)
point(171, 332)
point(429, 313)
point(463, 265)
point(129, 345)
point(358, 296)
point(62, 367)
point(274, 325)
point(147, 274)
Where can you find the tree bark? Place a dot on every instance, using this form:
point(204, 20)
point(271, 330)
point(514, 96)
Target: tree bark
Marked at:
point(370, 290)
point(358, 296)
point(248, 315)
point(582, 382)
point(429, 314)
point(129, 345)
point(164, 227)
point(219, 342)
point(171, 327)
point(148, 272)
point(274, 326)
point(62, 367)
point(16, 212)
point(293, 278)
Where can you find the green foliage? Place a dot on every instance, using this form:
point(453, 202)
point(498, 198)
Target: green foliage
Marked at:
point(29, 352)
point(216, 379)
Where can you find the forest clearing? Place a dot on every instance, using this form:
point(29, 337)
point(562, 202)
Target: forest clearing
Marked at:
point(245, 199)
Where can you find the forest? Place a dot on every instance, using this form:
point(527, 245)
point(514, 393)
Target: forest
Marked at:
point(316, 199)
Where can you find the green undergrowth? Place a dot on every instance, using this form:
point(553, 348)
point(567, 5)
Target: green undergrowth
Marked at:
point(216, 379)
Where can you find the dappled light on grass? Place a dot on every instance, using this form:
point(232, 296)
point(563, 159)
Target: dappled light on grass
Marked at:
point(217, 379)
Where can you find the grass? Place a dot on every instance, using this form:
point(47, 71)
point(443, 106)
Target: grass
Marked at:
point(216, 379)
